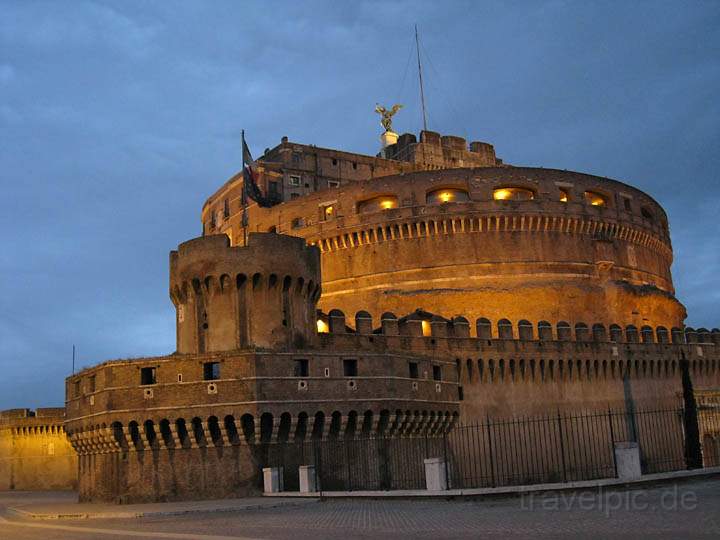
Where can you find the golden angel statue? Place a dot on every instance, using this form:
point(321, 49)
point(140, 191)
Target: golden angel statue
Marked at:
point(386, 120)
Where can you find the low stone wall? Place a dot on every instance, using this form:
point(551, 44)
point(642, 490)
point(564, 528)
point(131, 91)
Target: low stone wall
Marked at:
point(35, 453)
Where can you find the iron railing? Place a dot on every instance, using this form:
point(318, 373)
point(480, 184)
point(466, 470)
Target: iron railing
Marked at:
point(561, 447)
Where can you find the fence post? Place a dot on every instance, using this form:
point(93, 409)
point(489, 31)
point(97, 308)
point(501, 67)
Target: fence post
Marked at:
point(447, 475)
point(562, 446)
point(346, 443)
point(612, 441)
point(490, 447)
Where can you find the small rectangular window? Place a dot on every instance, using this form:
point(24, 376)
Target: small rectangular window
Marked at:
point(413, 370)
point(296, 157)
point(628, 206)
point(327, 212)
point(226, 209)
point(334, 183)
point(76, 388)
point(437, 373)
point(350, 368)
point(301, 368)
point(211, 371)
point(461, 394)
point(148, 376)
point(294, 180)
point(91, 384)
point(273, 188)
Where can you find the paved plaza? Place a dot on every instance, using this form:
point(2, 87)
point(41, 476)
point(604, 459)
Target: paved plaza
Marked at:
point(688, 509)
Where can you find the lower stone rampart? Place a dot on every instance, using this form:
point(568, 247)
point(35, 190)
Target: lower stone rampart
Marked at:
point(35, 453)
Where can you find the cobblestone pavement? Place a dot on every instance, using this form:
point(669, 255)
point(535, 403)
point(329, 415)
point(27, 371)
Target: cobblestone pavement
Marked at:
point(680, 510)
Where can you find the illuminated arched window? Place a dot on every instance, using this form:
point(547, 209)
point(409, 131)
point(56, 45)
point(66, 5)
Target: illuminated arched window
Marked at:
point(447, 195)
point(564, 197)
point(376, 204)
point(595, 199)
point(512, 193)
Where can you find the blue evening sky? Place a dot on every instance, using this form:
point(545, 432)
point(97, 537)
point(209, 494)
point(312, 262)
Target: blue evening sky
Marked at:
point(118, 119)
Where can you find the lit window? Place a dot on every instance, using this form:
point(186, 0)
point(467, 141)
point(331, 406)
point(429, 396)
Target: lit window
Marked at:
point(322, 327)
point(327, 212)
point(595, 199)
point(563, 195)
point(426, 331)
point(448, 195)
point(294, 180)
point(376, 204)
point(513, 194)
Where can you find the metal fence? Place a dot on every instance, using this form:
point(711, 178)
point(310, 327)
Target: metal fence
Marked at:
point(494, 452)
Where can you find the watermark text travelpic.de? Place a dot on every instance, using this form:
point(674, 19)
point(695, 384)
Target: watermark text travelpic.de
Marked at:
point(601, 500)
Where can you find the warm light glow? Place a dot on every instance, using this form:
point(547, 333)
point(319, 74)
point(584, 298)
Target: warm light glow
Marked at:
point(322, 327)
point(426, 328)
point(447, 195)
point(563, 196)
point(513, 194)
point(383, 202)
point(595, 199)
point(328, 211)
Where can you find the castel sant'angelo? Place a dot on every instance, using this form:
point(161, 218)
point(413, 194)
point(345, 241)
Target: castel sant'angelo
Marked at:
point(396, 295)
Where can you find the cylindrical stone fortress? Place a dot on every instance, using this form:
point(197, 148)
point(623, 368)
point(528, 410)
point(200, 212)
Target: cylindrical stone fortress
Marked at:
point(495, 242)
point(216, 288)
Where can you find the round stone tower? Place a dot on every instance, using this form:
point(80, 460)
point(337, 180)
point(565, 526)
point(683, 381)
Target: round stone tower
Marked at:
point(262, 295)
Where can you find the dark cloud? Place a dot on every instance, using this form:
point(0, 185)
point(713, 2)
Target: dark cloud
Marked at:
point(118, 119)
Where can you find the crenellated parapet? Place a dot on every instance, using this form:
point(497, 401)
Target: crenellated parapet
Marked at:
point(35, 453)
point(259, 295)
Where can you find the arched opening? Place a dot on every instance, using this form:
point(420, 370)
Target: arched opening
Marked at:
point(377, 204)
point(505, 329)
point(166, 433)
point(150, 434)
point(247, 423)
point(134, 429)
point(513, 193)
point(367, 422)
point(231, 430)
point(483, 328)
point(182, 432)
point(266, 427)
point(447, 195)
point(302, 426)
point(198, 432)
point(318, 425)
point(594, 198)
point(214, 429)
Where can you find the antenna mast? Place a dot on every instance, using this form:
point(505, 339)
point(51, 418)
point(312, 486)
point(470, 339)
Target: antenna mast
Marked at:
point(422, 91)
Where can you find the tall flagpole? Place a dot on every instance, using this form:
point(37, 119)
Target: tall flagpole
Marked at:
point(422, 91)
point(244, 191)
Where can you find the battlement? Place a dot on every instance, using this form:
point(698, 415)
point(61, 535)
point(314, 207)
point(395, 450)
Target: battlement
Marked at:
point(436, 151)
point(424, 324)
point(262, 294)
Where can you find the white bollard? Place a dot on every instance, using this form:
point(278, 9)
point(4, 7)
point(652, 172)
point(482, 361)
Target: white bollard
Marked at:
point(273, 479)
point(627, 459)
point(308, 479)
point(435, 474)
